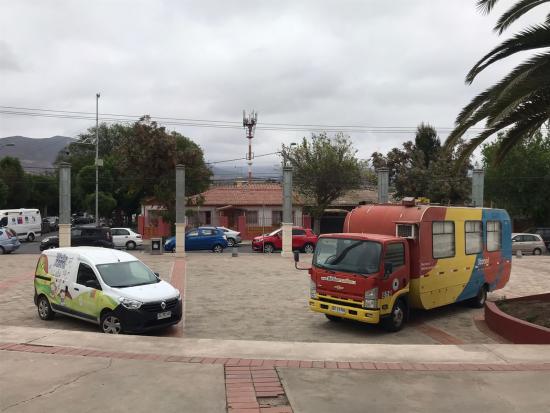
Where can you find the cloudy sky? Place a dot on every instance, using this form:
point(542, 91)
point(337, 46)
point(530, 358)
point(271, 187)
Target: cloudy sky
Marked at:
point(364, 63)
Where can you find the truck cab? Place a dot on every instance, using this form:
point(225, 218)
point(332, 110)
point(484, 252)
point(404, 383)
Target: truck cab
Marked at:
point(363, 277)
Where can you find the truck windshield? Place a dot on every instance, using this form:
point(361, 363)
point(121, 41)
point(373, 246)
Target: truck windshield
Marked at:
point(348, 255)
point(126, 274)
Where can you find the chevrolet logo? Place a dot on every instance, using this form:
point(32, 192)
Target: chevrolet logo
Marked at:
point(338, 287)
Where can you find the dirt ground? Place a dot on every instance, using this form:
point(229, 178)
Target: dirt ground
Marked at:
point(536, 311)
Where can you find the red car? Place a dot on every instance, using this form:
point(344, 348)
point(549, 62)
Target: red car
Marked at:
point(303, 239)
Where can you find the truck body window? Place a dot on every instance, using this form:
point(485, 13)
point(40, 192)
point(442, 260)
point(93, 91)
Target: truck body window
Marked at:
point(494, 234)
point(443, 239)
point(473, 231)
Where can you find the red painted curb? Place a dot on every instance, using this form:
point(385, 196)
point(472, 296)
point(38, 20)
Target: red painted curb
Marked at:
point(514, 329)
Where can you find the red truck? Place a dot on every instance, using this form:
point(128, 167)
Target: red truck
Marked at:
point(392, 258)
point(303, 239)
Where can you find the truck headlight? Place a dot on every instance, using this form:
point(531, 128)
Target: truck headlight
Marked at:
point(371, 298)
point(129, 303)
point(312, 289)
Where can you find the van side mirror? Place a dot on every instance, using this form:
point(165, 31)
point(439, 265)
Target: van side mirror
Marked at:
point(296, 256)
point(157, 275)
point(388, 269)
point(93, 284)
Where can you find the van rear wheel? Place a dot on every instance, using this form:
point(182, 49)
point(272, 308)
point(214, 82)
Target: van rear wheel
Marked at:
point(110, 324)
point(30, 237)
point(479, 300)
point(45, 311)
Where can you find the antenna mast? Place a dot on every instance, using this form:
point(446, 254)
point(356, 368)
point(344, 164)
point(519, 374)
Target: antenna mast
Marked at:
point(249, 123)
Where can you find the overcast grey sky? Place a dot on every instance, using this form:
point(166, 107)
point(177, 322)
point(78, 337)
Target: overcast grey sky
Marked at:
point(352, 62)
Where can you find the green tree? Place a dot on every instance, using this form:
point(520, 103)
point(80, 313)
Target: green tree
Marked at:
point(520, 101)
point(4, 190)
point(521, 185)
point(424, 169)
point(324, 169)
point(16, 180)
point(106, 204)
point(44, 193)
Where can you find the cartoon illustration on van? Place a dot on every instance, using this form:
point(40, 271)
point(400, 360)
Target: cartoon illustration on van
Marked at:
point(107, 287)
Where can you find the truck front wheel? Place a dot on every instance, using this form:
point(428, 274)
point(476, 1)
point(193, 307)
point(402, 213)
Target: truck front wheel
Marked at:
point(395, 320)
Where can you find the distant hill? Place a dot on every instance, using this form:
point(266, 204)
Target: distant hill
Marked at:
point(35, 155)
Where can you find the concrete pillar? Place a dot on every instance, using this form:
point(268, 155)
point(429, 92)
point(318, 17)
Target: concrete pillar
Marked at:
point(287, 212)
point(478, 177)
point(64, 204)
point(383, 183)
point(180, 211)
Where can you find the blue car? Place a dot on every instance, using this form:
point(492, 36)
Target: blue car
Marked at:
point(202, 238)
point(8, 240)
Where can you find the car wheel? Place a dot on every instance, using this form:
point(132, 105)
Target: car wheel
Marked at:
point(130, 245)
point(309, 248)
point(110, 324)
point(2, 251)
point(268, 248)
point(230, 242)
point(394, 322)
point(30, 237)
point(537, 251)
point(217, 249)
point(479, 300)
point(51, 247)
point(45, 311)
point(333, 317)
point(174, 250)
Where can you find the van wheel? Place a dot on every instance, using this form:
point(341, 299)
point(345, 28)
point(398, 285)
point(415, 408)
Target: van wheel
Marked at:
point(333, 317)
point(30, 237)
point(217, 248)
point(131, 245)
point(479, 300)
point(537, 251)
point(268, 248)
point(394, 322)
point(45, 311)
point(110, 324)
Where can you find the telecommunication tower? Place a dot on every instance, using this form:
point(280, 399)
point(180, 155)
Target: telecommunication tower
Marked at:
point(249, 123)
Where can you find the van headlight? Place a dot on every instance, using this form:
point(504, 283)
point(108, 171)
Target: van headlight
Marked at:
point(129, 303)
point(371, 298)
point(312, 289)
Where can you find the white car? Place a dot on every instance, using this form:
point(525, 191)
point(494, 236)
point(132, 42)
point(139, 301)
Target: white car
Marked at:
point(233, 237)
point(126, 238)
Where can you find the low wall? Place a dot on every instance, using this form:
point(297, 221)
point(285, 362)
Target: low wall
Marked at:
point(514, 329)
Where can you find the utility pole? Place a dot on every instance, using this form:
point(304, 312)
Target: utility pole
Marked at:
point(383, 182)
point(180, 211)
point(478, 177)
point(97, 160)
point(249, 122)
point(64, 204)
point(287, 211)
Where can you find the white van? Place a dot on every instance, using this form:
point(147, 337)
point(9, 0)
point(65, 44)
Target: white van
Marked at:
point(107, 287)
point(27, 223)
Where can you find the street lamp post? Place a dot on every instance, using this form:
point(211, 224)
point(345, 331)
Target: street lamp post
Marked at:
point(97, 159)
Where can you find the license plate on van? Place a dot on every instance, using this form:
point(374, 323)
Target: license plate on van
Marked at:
point(338, 310)
point(166, 314)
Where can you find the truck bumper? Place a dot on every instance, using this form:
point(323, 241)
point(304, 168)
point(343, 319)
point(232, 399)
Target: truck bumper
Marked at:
point(343, 311)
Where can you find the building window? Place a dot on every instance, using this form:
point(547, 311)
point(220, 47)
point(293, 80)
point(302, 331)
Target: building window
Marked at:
point(252, 217)
point(443, 239)
point(276, 218)
point(494, 233)
point(474, 236)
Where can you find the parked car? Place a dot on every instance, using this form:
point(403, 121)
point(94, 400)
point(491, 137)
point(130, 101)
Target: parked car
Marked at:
point(110, 288)
point(54, 223)
point(233, 237)
point(126, 238)
point(202, 238)
point(8, 241)
point(88, 236)
point(543, 232)
point(528, 243)
point(303, 239)
point(82, 220)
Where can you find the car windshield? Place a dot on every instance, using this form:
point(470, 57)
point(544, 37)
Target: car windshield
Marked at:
point(271, 234)
point(348, 255)
point(126, 274)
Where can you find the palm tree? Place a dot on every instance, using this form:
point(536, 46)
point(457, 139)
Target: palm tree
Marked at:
point(520, 103)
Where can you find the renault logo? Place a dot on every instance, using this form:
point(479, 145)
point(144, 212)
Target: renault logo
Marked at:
point(163, 305)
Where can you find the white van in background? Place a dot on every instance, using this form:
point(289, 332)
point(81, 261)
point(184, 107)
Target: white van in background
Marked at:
point(27, 223)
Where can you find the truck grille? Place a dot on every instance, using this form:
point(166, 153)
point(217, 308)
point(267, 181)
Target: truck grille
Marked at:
point(156, 307)
point(346, 303)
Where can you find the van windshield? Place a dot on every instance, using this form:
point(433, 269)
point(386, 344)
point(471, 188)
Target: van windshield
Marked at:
point(126, 274)
point(348, 255)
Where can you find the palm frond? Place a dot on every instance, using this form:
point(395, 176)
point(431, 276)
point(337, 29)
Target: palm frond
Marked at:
point(515, 12)
point(534, 37)
point(515, 135)
point(485, 6)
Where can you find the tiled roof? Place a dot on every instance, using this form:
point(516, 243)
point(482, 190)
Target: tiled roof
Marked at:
point(246, 195)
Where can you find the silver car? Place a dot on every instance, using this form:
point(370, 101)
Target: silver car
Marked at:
point(233, 237)
point(8, 240)
point(528, 243)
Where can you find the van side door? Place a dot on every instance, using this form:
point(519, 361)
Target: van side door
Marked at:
point(86, 287)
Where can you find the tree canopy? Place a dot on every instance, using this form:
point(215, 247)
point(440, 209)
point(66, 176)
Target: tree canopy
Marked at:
point(520, 102)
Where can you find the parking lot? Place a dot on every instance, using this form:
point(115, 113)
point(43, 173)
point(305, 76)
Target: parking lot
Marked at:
point(262, 297)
